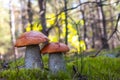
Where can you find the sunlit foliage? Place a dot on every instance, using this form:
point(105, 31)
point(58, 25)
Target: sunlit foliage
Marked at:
point(54, 35)
point(35, 26)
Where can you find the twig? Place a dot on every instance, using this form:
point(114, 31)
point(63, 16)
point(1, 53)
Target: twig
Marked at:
point(117, 36)
point(87, 2)
point(76, 72)
point(72, 8)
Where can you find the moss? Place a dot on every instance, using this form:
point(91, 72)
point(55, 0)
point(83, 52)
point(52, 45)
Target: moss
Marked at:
point(32, 74)
point(102, 68)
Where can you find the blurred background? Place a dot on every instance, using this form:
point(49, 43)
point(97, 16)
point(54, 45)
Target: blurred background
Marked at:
point(81, 24)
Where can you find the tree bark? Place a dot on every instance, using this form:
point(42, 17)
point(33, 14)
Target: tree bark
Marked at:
point(23, 14)
point(112, 28)
point(93, 35)
point(12, 28)
point(42, 13)
point(104, 35)
point(84, 26)
point(30, 13)
point(66, 22)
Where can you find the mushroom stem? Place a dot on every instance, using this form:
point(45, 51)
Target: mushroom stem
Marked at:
point(33, 58)
point(56, 62)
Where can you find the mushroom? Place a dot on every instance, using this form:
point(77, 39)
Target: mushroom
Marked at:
point(31, 40)
point(56, 58)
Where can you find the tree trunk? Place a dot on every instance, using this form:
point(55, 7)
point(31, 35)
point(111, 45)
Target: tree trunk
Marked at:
point(93, 35)
point(85, 28)
point(84, 24)
point(12, 27)
point(30, 13)
point(66, 22)
point(23, 14)
point(104, 35)
point(112, 24)
point(42, 7)
point(98, 29)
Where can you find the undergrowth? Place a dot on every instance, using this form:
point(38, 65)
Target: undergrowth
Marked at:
point(97, 68)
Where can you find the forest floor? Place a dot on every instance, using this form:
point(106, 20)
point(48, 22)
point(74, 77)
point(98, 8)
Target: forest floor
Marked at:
point(103, 67)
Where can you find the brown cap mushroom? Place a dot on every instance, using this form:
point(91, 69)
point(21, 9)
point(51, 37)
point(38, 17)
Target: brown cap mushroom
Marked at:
point(56, 58)
point(31, 38)
point(55, 47)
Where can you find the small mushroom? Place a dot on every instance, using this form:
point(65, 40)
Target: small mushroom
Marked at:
point(31, 40)
point(56, 58)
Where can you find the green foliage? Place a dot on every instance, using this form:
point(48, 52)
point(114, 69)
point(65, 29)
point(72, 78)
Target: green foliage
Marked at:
point(32, 74)
point(103, 68)
point(50, 19)
point(72, 36)
point(25, 74)
point(54, 36)
point(35, 26)
point(19, 62)
point(45, 60)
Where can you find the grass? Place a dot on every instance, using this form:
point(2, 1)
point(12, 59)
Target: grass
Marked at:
point(32, 74)
point(102, 68)
point(98, 68)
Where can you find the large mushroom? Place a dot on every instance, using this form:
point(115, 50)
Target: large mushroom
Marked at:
point(56, 58)
point(31, 40)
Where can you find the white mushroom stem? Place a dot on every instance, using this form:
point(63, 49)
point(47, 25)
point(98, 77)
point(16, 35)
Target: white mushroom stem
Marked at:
point(33, 57)
point(56, 62)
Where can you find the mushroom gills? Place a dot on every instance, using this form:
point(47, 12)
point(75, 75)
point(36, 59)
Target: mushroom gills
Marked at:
point(33, 58)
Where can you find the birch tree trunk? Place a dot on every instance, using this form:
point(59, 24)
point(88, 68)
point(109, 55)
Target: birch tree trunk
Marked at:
point(12, 27)
point(23, 14)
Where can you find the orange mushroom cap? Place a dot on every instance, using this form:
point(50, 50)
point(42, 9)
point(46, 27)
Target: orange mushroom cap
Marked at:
point(54, 47)
point(31, 38)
